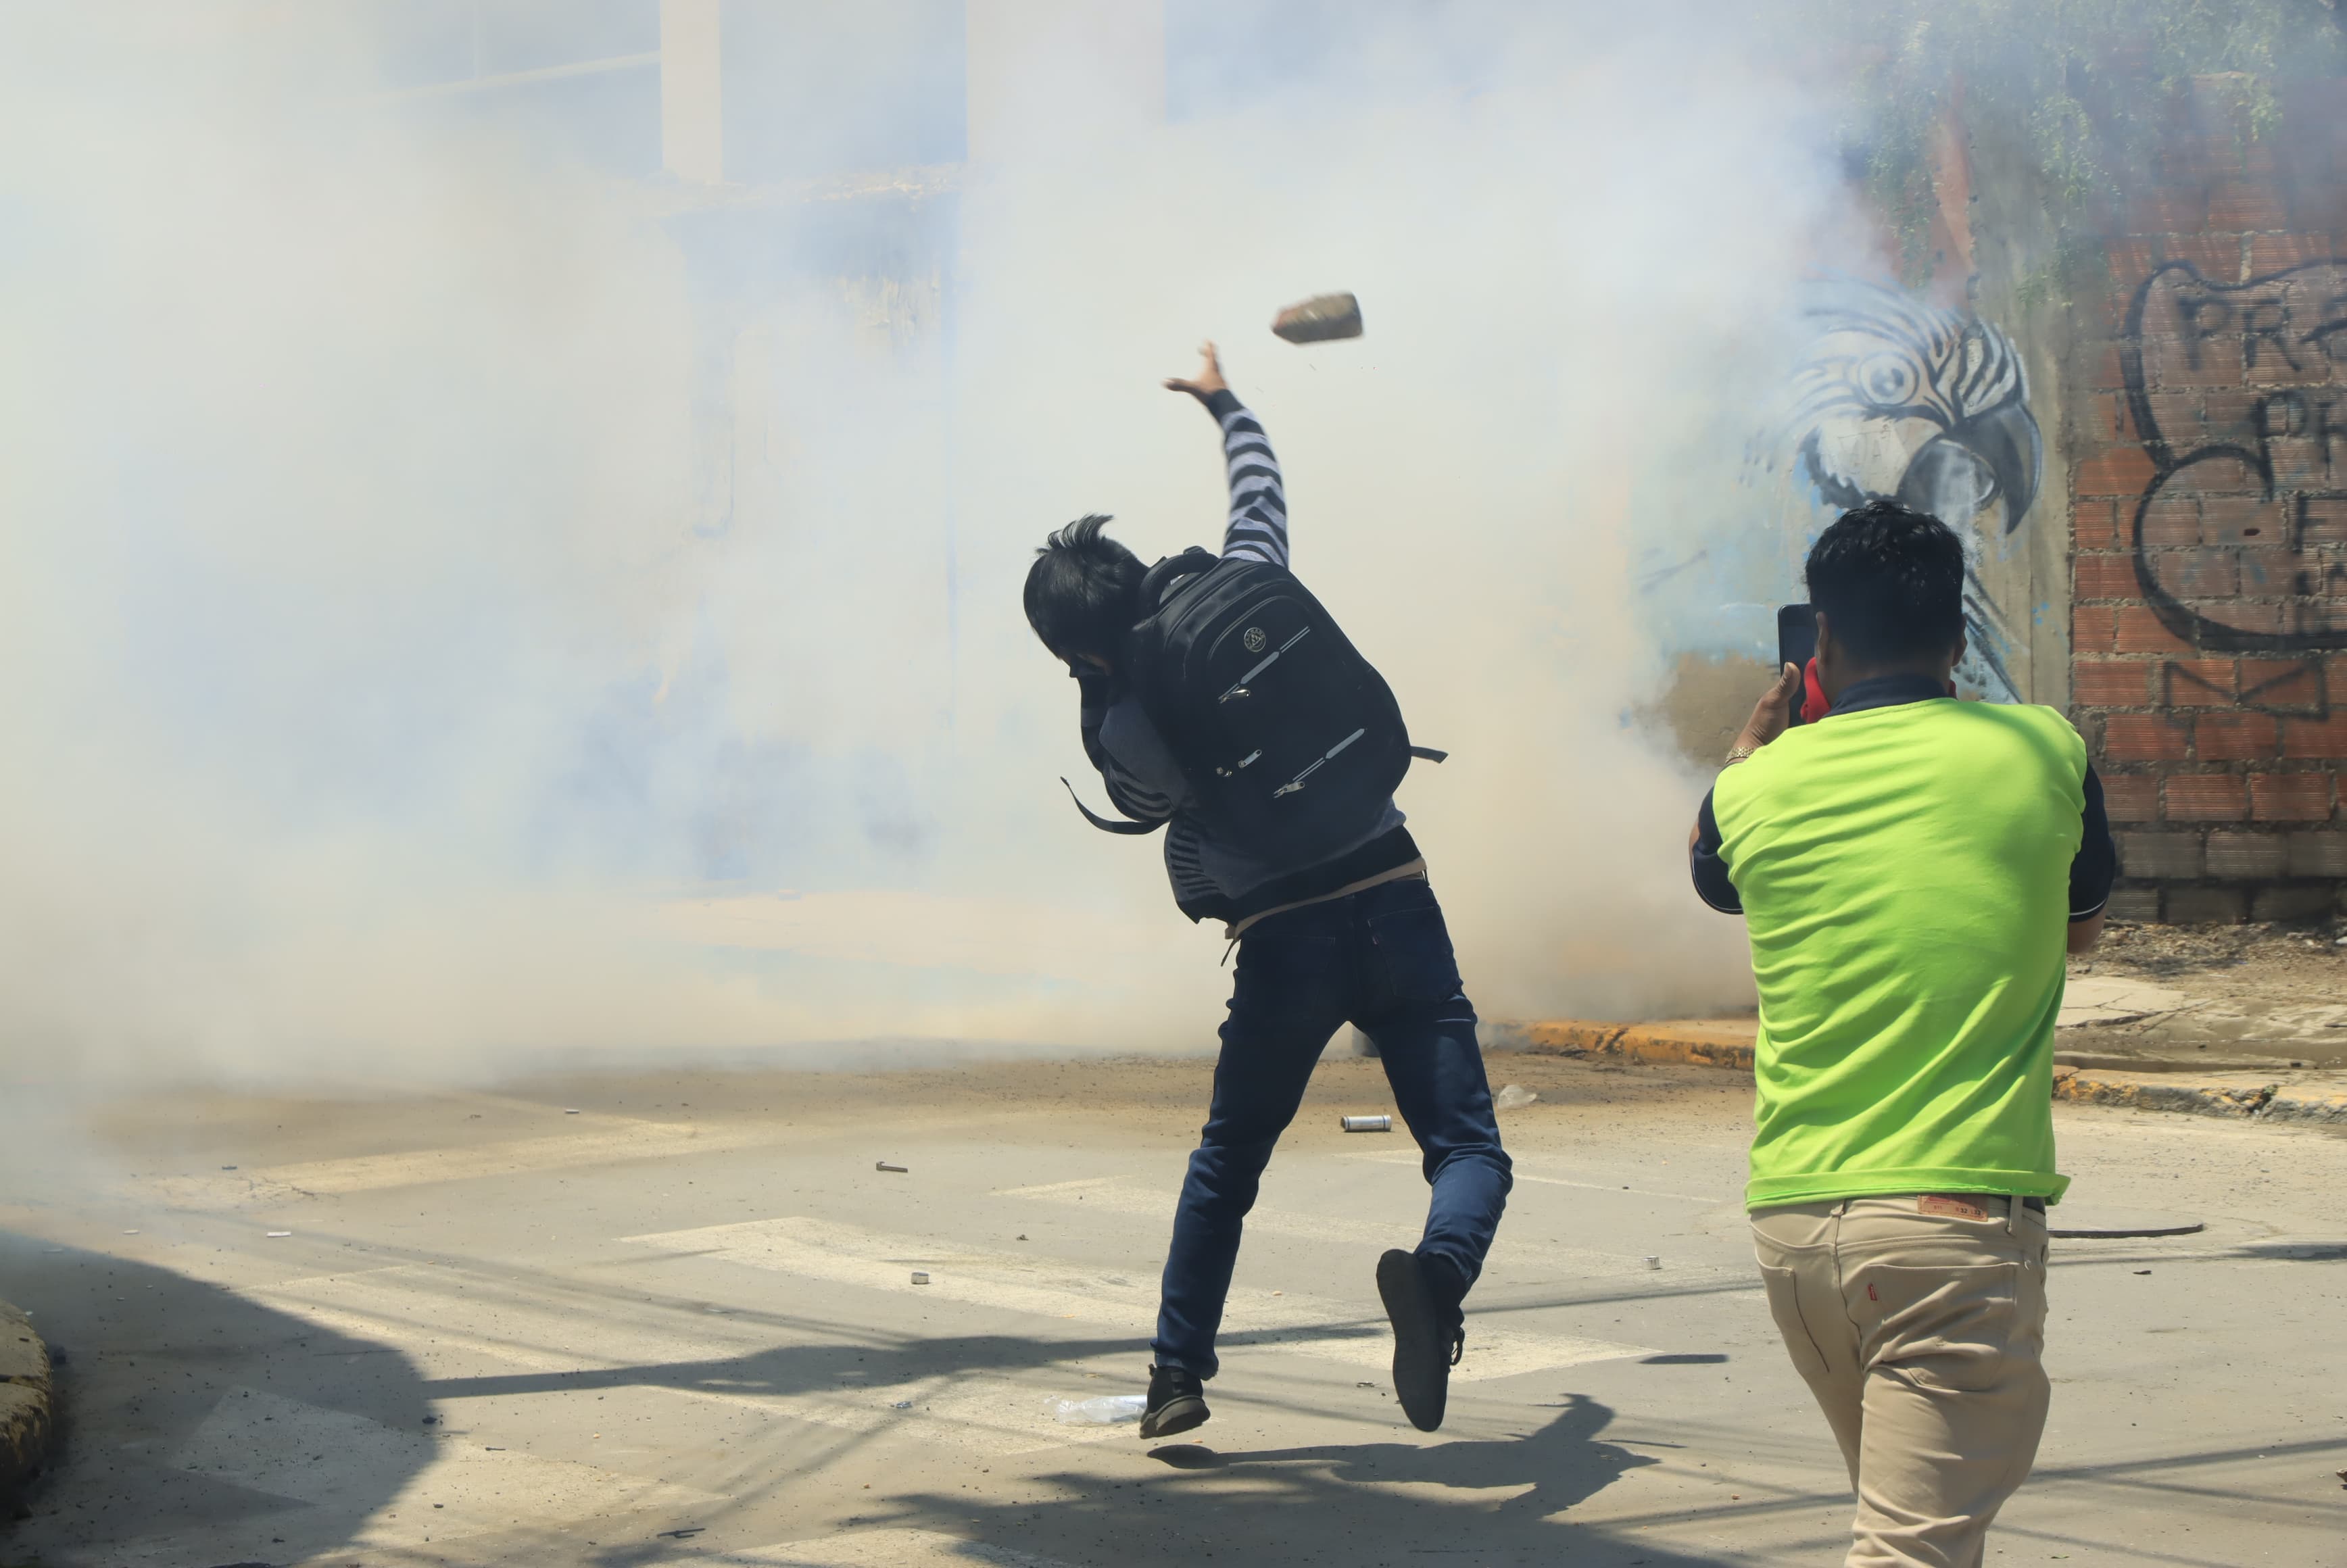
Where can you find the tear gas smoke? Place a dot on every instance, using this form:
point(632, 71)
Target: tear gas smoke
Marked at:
point(445, 634)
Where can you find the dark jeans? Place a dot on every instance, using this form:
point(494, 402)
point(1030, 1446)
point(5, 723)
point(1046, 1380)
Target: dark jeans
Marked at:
point(1381, 958)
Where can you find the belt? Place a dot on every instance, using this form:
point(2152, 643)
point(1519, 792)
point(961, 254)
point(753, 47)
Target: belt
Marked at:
point(1985, 1199)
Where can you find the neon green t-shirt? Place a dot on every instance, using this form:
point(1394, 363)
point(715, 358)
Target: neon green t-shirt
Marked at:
point(1904, 873)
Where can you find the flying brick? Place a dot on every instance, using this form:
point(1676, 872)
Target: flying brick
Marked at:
point(1319, 318)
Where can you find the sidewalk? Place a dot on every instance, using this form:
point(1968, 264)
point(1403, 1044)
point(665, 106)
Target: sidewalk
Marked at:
point(2139, 1025)
point(2174, 1080)
point(2264, 998)
point(28, 1419)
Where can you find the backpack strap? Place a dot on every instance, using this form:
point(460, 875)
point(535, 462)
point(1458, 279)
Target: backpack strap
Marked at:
point(1157, 583)
point(1104, 823)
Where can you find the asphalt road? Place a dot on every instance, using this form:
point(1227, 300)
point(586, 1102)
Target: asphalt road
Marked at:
point(674, 1318)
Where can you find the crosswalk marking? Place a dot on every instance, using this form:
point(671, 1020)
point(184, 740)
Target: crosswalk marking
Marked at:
point(455, 1324)
point(1509, 1249)
point(1352, 1333)
point(882, 1548)
point(286, 1448)
point(1410, 1157)
point(607, 1139)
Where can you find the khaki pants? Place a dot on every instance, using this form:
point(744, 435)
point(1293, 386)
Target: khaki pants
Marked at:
point(1918, 1323)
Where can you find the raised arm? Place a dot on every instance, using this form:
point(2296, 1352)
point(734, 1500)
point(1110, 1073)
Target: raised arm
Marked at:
point(1258, 524)
point(1770, 716)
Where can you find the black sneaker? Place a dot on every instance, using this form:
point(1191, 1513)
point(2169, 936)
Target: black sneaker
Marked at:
point(1177, 1401)
point(1427, 1341)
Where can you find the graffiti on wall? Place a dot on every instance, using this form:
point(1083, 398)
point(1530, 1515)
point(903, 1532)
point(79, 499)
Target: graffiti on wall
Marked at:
point(2240, 532)
point(1891, 399)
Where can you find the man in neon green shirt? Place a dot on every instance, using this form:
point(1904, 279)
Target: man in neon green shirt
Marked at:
point(1911, 870)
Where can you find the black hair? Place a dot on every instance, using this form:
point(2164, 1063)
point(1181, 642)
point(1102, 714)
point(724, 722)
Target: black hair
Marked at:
point(1083, 592)
point(1891, 583)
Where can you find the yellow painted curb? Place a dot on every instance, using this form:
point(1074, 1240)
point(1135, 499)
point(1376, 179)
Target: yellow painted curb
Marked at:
point(27, 1414)
point(2271, 1102)
point(1703, 1042)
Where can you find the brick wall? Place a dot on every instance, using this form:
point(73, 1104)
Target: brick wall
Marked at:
point(2208, 522)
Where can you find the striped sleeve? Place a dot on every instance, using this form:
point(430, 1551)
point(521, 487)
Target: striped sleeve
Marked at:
point(1126, 790)
point(1186, 865)
point(1259, 525)
point(1132, 796)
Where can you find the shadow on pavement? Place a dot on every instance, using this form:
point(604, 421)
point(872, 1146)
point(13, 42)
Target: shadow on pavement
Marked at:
point(1484, 1501)
point(163, 1380)
point(785, 1370)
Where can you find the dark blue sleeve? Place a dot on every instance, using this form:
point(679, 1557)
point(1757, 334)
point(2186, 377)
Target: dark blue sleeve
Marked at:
point(2097, 862)
point(1711, 883)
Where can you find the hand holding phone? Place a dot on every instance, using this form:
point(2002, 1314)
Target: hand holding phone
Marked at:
point(1797, 645)
point(1770, 715)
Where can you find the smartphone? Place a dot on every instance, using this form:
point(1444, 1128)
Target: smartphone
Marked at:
point(1796, 643)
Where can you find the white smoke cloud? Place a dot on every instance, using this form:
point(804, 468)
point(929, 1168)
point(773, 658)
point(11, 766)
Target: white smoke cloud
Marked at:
point(391, 699)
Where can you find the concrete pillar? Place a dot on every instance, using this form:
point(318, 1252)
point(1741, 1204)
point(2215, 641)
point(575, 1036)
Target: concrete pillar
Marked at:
point(1047, 75)
point(693, 124)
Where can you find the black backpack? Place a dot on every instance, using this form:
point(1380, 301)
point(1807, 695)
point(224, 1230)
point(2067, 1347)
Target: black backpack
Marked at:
point(1290, 741)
